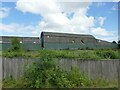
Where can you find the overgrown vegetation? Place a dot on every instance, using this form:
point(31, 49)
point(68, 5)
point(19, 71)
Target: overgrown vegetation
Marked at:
point(80, 54)
point(46, 74)
point(15, 45)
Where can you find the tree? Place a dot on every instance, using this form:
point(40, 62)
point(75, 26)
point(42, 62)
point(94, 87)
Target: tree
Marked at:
point(16, 44)
point(114, 42)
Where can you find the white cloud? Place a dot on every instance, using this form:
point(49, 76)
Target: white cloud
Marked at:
point(99, 4)
point(116, 0)
point(54, 15)
point(115, 7)
point(4, 12)
point(55, 18)
point(18, 29)
point(74, 6)
point(100, 32)
point(101, 20)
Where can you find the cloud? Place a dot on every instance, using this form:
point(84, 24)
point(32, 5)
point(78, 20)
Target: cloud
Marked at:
point(115, 7)
point(18, 29)
point(101, 20)
point(74, 6)
point(4, 12)
point(100, 32)
point(55, 15)
point(116, 0)
point(99, 4)
point(65, 17)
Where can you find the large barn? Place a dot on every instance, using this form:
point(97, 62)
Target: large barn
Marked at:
point(58, 41)
point(52, 40)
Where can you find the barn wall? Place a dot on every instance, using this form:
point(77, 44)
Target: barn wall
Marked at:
point(0, 46)
point(74, 41)
point(28, 43)
point(58, 41)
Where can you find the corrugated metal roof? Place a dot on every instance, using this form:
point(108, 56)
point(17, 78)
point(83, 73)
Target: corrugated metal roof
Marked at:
point(66, 35)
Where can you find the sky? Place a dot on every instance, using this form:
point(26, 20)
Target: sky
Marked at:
point(29, 18)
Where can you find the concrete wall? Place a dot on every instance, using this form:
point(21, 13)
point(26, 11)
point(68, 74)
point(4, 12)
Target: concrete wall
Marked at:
point(103, 69)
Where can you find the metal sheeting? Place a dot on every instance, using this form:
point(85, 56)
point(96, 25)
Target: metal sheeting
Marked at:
point(31, 46)
point(0, 43)
point(66, 35)
point(6, 46)
point(28, 43)
point(74, 41)
point(77, 46)
point(58, 41)
point(26, 46)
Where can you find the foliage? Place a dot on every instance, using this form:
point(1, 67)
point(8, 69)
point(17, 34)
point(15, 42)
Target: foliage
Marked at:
point(16, 44)
point(104, 83)
point(114, 42)
point(119, 44)
point(80, 54)
point(107, 54)
point(45, 74)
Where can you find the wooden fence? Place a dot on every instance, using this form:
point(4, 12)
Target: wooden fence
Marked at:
point(102, 69)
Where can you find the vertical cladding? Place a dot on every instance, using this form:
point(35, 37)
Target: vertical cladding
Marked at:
point(58, 41)
point(73, 41)
point(29, 43)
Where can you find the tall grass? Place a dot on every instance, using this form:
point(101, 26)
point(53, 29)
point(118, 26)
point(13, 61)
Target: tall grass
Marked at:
point(80, 54)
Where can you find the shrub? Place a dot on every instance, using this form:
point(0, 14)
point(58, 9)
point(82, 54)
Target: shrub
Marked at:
point(16, 44)
point(107, 54)
point(81, 54)
point(45, 74)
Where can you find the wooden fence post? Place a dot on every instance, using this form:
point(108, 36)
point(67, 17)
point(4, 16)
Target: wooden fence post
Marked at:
point(119, 76)
point(1, 73)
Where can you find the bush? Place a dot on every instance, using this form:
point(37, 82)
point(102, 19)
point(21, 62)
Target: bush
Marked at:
point(107, 54)
point(80, 54)
point(45, 74)
point(16, 44)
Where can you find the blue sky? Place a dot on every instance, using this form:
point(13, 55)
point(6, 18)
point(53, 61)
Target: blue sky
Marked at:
point(99, 19)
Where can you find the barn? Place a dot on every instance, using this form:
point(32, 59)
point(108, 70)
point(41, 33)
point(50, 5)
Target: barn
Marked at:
point(28, 43)
point(50, 40)
point(58, 41)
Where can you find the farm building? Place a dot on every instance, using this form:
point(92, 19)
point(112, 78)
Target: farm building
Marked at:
point(28, 43)
point(50, 40)
point(58, 41)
